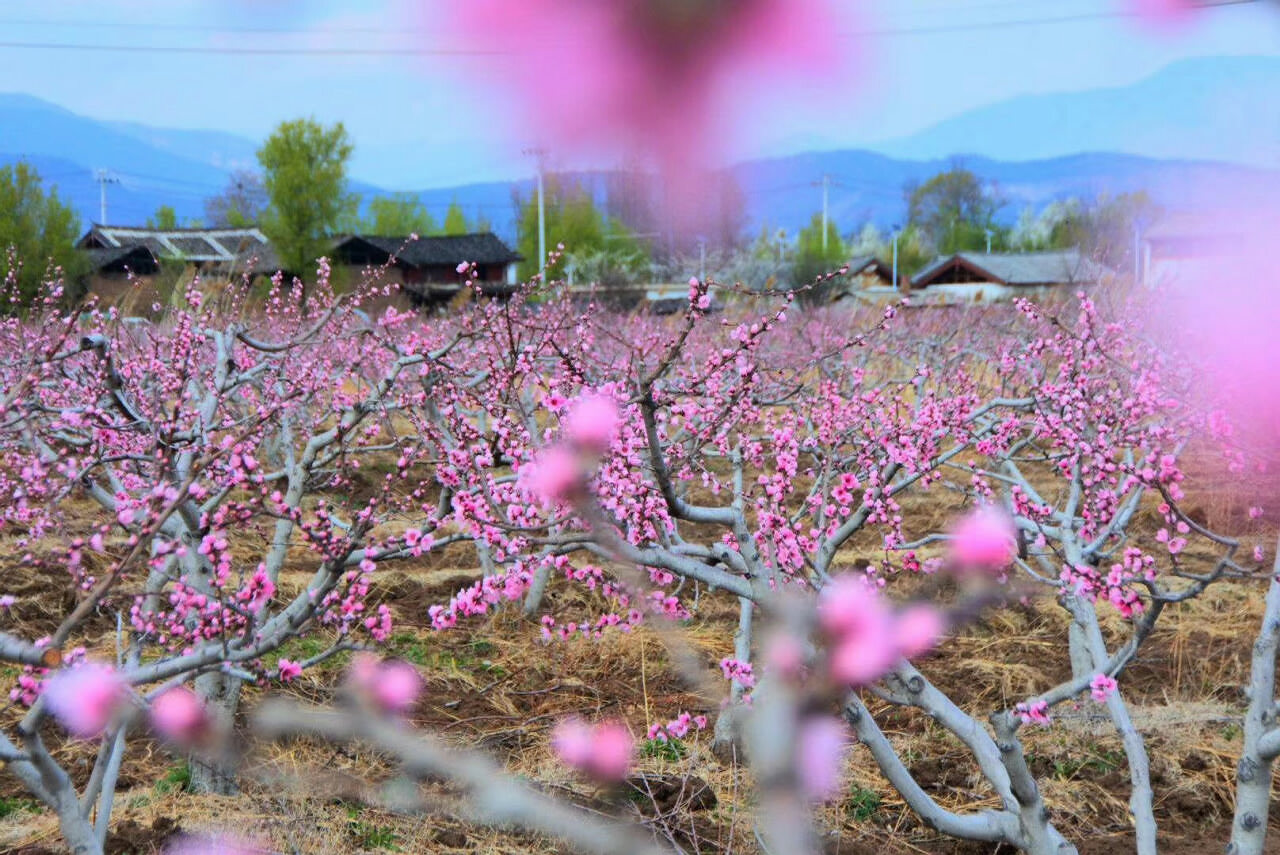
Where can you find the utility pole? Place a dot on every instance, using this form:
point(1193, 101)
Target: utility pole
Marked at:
point(540, 154)
point(103, 178)
point(989, 233)
point(826, 184)
point(895, 256)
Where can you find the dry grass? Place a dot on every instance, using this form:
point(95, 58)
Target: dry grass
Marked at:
point(493, 685)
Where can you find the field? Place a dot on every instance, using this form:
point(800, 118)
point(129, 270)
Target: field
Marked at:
point(493, 684)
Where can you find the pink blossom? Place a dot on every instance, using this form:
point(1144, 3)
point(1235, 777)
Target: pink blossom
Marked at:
point(603, 751)
point(555, 474)
point(984, 539)
point(1101, 687)
point(1036, 712)
point(592, 422)
point(822, 745)
point(7, 601)
point(464, 266)
point(573, 740)
point(613, 749)
point(1257, 553)
point(1160, 13)
point(392, 686)
point(918, 629)
point(862, 626)
point(289, 670)
point(1255, 512)
point(178, 715)
point(598, 73)
point(85, 699)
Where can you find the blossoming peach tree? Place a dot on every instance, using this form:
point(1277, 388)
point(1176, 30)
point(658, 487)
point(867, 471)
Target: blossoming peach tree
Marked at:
point(205, 483)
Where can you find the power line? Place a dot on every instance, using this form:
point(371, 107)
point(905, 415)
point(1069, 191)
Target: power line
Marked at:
point(94, 47)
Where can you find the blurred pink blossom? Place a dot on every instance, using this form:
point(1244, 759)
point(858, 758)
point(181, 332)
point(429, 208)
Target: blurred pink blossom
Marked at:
point(603, 751)
point(591, 422)
point(983, 540)
point(918, 629)
point(1161, 13)
point(822, 745)
point(178, 715)
point(862, 626)
point(554, 474)
point(392, 686)
point(289, 670)
point(667, 76)
point(85, 699)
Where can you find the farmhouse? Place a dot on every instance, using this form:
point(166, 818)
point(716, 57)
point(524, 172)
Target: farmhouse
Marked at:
point(426, 268)
point(124, 261)
point(870, 280)
point(975, 277)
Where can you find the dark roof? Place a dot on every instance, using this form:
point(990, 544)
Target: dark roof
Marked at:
point(139, 259)
point(1027, 268)
point(861, 264)
point(201, 245)
point(436, 251)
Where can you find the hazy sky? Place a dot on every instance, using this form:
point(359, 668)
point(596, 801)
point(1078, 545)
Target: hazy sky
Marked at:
point(920, 61)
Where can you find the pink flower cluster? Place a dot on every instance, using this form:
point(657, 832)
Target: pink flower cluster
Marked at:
point(678, 728)
point(1102, 687)
point(390, 686)
point(603, 751)
point(867, 636)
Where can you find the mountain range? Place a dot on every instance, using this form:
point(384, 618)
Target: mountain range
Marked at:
point(1200, 125)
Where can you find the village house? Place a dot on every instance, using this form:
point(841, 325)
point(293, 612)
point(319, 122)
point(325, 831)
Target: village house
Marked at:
point(978, 277)
point(126, 262)
point(426, 268)
point(870, 280)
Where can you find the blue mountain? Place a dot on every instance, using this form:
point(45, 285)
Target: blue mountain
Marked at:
point(1199, 125)
point(1210, 108)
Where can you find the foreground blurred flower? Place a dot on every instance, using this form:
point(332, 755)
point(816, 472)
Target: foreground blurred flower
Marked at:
point(591, 422)
point(665, 74)
point(87, 698)
point(178, 716)
point(1161, 13)
point(392, 686)
point(984, 540)
point(823, 743)
point(555, 474)
point(918, 629)
point(862, 627)
point(603, 751)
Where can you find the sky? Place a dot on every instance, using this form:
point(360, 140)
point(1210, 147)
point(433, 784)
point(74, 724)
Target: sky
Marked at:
point(411, 88)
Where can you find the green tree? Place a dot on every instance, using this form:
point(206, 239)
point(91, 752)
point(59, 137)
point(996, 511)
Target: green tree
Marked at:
point(812, 259)
point(165, 218)
point(304, 167)
point(455, 221)
point(572, 219)
point(398, 215)
point(37, 232)
point(954, 211)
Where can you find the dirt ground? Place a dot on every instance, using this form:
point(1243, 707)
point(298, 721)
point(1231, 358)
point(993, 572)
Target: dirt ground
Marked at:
point(493, 684)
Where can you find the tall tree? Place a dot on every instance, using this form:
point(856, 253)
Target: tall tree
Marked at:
point(572, 219)
point(164, 218)
point(455, 220)
point(304, 168)
point(813, 259)
point(37, 232)
point(240, 204)
point(398, 215)
point(953, 210)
